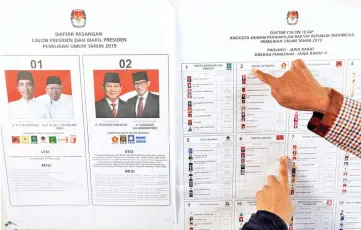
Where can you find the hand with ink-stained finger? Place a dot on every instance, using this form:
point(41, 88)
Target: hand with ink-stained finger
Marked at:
point(275, 196)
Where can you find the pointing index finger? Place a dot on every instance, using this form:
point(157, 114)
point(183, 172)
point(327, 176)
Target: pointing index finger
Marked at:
point(265, 77)
point(283, 172)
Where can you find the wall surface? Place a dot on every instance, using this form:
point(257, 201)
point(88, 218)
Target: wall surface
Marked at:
point(3, 220)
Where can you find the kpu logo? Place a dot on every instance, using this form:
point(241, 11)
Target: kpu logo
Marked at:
point(78, 18)
point(292, 17)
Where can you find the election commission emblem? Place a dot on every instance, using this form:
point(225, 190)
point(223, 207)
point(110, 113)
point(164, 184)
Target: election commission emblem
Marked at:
point(292, 17)
point(78, 18)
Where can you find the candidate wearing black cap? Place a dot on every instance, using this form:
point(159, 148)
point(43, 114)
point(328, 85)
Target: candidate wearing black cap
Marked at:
point(53, 87)
point(27, 107)
point(111, 106)
point(145, 104)
point(25, 84)
point(60, 105)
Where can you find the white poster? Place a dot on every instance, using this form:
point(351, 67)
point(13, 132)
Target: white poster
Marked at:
point(146, 114)
point(228, 111)
point(85, 94)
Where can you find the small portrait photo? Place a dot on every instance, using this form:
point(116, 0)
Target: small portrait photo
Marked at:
point(39, 94)
point(126, 93)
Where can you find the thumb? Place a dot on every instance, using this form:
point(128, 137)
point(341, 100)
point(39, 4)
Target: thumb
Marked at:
point(265, 77)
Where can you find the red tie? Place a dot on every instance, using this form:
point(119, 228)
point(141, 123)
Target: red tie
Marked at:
point(114, 110)
point(140, 107)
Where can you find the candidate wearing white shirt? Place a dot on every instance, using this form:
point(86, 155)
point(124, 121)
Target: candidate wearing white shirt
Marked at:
point(27, 107)
point(60, 105)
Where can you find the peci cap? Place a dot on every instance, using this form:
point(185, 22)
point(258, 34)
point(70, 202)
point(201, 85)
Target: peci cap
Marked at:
point(138, 76)
point(25, 75)
point(53, 80)
point(111, 77)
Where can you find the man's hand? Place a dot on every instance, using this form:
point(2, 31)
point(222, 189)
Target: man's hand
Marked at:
point(275, 197)
point(297, 89)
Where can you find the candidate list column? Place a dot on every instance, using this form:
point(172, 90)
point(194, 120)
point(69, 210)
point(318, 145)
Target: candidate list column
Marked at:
point(208, 167)
point(128, 117)
point(349, 175)
point(44, 130)
point(208, 144)
point(257, 110)
point(208, 215)
point(207, 98)
point(348, 214)
point(353, 85)
point(313, 163)
point(257, 156)
point(312, 214)
point(329, 73)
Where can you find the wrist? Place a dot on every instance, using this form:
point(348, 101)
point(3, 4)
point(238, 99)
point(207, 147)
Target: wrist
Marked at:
point(270, 218)
point(323, 101)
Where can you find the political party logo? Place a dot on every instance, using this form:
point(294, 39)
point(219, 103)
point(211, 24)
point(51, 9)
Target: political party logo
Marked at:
point(338, 63)
point(140, 140)
point(229, 66)
point(283, 65)
point(52, 140)
point(228, 138)
point(72, 139)
point(292, 17)
point(123, 139)
point(131, 139)
point(115, 140)
point(34, 139)
point(43, 139)
point(78, 18)
point(25, 140)
point(15, 139)
point(279, 137)
point(329, 202)
point(63, 140)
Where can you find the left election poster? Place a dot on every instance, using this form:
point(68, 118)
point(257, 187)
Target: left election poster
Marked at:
point(44, 131)
point(68, 161)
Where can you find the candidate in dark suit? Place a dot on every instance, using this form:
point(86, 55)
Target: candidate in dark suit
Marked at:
point(111, 106)
point(145, 104)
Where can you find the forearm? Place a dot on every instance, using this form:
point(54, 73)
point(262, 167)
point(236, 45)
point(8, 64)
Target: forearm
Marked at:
point(263, 220)
point(340, 124)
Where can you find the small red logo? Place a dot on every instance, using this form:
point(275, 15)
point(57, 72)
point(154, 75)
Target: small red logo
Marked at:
point(78, 18)
point(329, 202)
point(279, 137)
point(292, 17)
point(338, 63)
point(72, 139)
point(15, 139)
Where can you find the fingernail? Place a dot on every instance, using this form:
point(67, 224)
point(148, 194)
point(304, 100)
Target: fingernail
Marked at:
point(283, 158)
point(254, 70)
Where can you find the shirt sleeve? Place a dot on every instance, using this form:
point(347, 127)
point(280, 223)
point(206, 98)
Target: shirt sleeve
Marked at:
point(341, 124)
point(263, 220)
